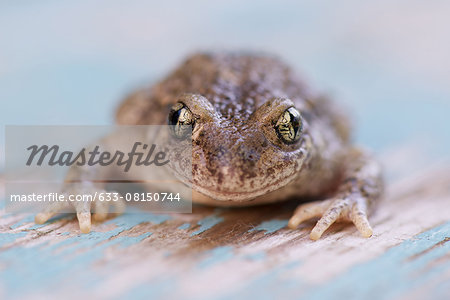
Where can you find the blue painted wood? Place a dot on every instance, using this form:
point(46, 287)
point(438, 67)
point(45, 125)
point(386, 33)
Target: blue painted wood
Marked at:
point(67, 256)
point(402, 269)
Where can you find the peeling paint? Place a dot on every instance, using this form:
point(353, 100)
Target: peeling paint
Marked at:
point(206, 224)
point(270, 226)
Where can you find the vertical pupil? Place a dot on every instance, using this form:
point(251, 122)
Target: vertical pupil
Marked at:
point(294, 122)
point(175, 116)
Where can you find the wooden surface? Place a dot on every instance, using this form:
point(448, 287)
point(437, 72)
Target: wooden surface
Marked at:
point(241, 253)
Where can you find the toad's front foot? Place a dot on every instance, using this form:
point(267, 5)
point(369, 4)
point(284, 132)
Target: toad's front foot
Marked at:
point(351, 208)
point(361, 187)
point(83, 209)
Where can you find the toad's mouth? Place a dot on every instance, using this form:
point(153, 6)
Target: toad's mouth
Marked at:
point(233, 189)
point(199, 192)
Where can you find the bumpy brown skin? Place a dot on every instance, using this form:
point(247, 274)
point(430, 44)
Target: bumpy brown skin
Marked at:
point(238, 158)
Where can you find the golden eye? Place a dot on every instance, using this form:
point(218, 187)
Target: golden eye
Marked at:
point(182, 120)
point(289, 126)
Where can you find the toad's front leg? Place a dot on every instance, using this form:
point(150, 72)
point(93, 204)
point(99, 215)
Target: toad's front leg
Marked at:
point(361, 187)
point(87, 183)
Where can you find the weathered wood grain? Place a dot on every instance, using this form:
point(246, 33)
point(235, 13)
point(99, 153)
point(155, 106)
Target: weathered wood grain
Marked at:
point(220, 253)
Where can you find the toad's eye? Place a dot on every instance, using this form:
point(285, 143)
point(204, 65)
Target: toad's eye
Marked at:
point(182, 120)
point(289, 126)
